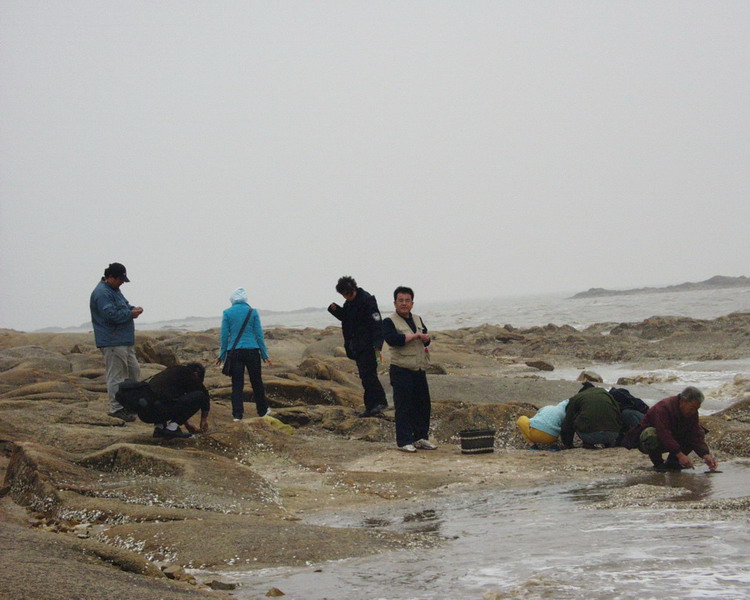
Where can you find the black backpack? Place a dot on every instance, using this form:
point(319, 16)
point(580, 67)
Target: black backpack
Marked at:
point(138, 397)
point(626, 400)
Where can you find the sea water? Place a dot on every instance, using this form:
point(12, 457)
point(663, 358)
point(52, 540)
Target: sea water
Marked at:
point(529, 311)
point(560, 309)
point(518, 311)
point(547, 543)
point(712, 377)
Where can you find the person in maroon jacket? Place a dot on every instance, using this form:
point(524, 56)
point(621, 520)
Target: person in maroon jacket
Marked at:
point(671, 425)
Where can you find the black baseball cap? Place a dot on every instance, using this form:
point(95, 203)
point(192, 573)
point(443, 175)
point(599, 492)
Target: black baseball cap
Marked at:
point(116, 270)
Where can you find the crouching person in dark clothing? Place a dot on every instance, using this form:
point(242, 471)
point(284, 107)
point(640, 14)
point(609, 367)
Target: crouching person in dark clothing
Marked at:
point(180, 393)
point(594, 415)
point(672, 425)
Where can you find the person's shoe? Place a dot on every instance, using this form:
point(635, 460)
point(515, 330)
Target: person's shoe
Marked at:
point(407, 448)
point(375, 411)
point(267, 413)
point(177, 433)
point(236, 420)
point(672, 465)
point(122, 414)
point(425, 445)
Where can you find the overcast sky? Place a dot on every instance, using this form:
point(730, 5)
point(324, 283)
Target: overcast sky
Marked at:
point(465, 148)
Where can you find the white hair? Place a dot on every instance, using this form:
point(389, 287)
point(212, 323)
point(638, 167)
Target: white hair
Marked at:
point(692, 394)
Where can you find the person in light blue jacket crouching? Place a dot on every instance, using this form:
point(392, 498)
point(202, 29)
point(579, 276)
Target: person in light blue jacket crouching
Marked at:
point(544, 426)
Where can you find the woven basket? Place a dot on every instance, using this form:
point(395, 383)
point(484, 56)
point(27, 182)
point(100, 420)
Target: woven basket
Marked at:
point(477, 441)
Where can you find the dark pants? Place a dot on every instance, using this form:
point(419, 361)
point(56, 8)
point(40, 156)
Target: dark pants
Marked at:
point(649, 443)
point(247, 358)
point(605, 438)
point(411, 397)
point(630, 418)
point(178, 410)
point(368, 373)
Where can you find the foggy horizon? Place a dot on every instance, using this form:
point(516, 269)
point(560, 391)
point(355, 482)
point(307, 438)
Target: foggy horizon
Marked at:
point(385, 304)
point(467, 149)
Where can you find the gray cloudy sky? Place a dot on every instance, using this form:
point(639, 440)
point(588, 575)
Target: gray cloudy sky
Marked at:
point(465, 148)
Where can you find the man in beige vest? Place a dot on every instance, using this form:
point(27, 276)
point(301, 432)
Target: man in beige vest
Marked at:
point(408, 339)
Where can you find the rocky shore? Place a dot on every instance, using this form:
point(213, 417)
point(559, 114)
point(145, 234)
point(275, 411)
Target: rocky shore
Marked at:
point(91, 507)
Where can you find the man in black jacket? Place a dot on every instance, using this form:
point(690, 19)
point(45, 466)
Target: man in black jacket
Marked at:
point(363, 339)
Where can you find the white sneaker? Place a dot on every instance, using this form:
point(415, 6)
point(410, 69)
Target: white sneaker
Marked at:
point(236, 420)
point(425, 445)
point(407, 448)
point(268, 413)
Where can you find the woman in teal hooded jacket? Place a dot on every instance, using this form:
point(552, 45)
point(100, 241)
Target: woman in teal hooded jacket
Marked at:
point(248, 352)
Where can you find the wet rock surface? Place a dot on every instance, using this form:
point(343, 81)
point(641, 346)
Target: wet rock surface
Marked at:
point(111, 498)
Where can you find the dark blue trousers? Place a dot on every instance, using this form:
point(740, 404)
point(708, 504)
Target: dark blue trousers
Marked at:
point(630, 418)
point(367, 367)
point(411, 397)
point(242, 359)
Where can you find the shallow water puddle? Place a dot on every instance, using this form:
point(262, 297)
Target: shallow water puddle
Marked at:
point(541, 544)
point(691, 485)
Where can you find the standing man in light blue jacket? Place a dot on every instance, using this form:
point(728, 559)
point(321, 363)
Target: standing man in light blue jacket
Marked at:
point(114, 332)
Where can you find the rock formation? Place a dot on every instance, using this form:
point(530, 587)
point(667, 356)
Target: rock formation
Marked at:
point(237, 497)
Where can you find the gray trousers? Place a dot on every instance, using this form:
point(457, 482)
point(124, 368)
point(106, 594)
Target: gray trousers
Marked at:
point(120, 364)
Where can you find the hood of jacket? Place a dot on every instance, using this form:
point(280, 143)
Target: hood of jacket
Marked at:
point(239, 296)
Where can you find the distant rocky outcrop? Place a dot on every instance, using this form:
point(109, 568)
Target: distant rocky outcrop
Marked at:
point(716, 282)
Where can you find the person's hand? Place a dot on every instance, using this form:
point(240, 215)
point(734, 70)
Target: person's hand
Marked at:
point(268, 362)
point(219, 361)
point(685, 461)
point(204, 425)
point(333, 306)
point(136, 312)
point(710, 462)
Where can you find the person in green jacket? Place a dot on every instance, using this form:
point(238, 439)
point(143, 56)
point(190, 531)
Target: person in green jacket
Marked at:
point(594, 415)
